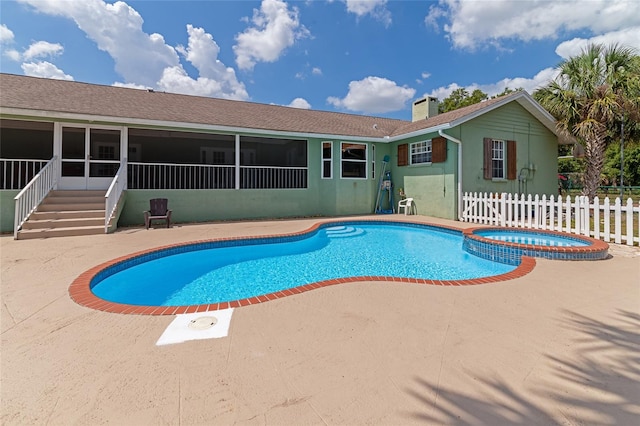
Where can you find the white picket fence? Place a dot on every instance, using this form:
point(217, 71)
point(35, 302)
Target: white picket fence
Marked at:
point(610, 222)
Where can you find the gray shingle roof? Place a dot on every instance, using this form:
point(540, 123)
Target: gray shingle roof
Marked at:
point(127, 105)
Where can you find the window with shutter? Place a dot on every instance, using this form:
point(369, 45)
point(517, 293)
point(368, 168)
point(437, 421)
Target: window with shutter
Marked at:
point(500, 159)
point(420, 152)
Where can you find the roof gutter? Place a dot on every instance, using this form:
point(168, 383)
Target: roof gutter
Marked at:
point(459, 177)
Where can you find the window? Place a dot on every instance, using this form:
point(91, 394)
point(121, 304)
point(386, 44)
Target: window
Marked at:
point(424, 152)
point(421, 152)
point(354, 160)
point(373, 161)
point(499, 159)
point(327, 160)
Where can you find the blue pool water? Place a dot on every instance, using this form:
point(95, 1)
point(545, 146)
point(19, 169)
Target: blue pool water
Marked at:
point(532, 238)
point(223, 272)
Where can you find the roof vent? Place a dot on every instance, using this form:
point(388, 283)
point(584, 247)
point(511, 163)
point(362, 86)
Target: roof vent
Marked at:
point(150, 90)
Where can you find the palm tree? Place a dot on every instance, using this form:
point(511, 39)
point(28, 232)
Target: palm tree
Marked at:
point(593, 93)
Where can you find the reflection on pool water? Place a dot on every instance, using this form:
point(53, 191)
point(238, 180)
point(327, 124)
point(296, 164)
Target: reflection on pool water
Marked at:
point(222, 271)
point(532, 238)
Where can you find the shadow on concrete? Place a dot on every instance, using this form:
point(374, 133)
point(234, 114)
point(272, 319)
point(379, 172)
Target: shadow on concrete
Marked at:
point(601, 384)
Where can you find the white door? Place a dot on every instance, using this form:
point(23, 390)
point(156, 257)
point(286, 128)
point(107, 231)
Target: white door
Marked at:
point(90, 157)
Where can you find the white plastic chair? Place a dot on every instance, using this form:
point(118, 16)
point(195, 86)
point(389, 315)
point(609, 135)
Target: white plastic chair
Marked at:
point(407, 205)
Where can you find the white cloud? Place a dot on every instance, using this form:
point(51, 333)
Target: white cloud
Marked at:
point(300, 103)
point(274, 29)
point(316, 71)
point(424, 76)
point(628, 37)
point(492, 89)
point(42, 48)
point(374, 95)
point(6, 35)
point(13, 54)
point(434, 15)
point(215, 79)
point(145, 60)
point(117, 29)
point(375, 8)
point(7, 38)
point(473, 23)
point(45, 70)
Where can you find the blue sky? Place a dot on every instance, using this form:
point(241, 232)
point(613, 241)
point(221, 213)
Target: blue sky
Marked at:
point(369, 57)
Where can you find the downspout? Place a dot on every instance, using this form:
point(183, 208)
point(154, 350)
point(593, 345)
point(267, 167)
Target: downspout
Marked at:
point(459, 186)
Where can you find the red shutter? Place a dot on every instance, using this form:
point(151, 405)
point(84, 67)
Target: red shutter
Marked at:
point(438, 150)
point(512, 168)
point(403, 154)
point(487, 158)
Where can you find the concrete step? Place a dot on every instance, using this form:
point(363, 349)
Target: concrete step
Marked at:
point(26, 234)
point(66, 213)
point(51, 207)
point(60, 199)
point(77, 193)
point(70, 214)
point(63, 223)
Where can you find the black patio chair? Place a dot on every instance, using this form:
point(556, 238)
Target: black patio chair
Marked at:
point(158, 210)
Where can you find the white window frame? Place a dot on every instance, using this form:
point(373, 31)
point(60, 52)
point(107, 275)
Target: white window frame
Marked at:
point(373, 161)
point(326, 160)
point(365, 161)
point(417, 150)
point(498, 157)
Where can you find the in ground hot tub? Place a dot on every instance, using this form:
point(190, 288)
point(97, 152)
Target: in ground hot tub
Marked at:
point(507, 245)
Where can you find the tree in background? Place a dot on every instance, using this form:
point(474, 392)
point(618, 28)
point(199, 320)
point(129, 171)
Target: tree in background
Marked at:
point(507, 90)
point(461, 98)
point(593, 94)
point(631, 170)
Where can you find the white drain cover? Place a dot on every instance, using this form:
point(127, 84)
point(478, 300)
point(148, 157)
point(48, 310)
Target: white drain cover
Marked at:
point(202, 323)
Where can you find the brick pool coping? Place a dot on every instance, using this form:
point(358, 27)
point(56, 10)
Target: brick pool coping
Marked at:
point(80, 288)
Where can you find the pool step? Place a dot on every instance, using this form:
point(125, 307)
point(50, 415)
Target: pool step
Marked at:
point(343, 231)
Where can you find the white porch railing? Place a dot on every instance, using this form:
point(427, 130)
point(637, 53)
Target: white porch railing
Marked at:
point(206, 176)
point(615, 222)
point(15, 173)
point(180, 176)
point(36, 190)
point(111, 198)
point(271, 177)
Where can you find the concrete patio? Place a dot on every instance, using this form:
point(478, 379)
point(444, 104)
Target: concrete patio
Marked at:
point(560, 345)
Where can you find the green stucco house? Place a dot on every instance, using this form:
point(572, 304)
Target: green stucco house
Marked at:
point(217, 159)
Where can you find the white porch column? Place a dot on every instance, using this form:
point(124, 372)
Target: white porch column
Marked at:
point(237, 161)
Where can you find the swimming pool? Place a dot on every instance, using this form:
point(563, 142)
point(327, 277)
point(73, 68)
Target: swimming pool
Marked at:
point(219, 273)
